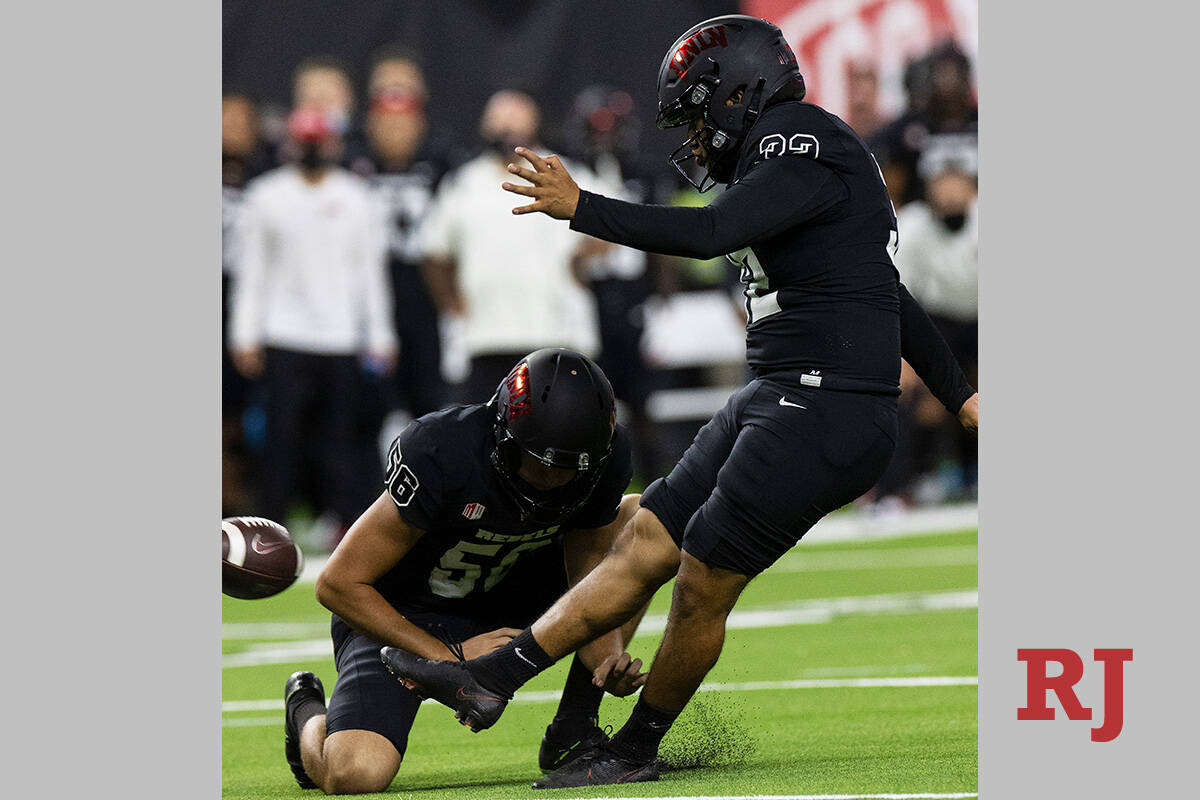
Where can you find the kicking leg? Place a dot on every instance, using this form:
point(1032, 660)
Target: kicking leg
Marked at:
point(691, 645)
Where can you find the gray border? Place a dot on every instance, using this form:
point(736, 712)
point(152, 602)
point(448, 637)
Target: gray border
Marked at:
point(1087, 289)
point(111, 446)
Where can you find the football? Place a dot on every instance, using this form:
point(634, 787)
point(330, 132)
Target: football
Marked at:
point(258, 558)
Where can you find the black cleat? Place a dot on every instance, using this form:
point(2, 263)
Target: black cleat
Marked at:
point(301, 686)
point(561, 745)
point(600, 766)
point(448, 682)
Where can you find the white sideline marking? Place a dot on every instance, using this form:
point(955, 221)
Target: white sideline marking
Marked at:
point(273, 630)
point(804, 612)
point(232, 706)
point(846, 527)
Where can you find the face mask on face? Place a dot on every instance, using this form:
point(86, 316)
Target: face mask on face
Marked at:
point(311, 156)
point(954, 222)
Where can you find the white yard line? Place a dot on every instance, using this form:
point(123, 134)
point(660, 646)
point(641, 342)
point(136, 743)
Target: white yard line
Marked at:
point(800, 560)
point(910, 682)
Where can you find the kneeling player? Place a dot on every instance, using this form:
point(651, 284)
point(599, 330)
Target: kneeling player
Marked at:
point(491, 512)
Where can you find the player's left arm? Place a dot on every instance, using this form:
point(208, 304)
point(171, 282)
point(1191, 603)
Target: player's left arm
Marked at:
point(584, 548)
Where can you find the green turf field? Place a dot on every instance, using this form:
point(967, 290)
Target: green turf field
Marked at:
point(849, 669)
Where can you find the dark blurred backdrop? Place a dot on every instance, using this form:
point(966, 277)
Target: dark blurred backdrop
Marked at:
point(469, 48)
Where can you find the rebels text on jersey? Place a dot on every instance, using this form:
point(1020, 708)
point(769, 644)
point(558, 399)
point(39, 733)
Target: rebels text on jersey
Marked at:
point(440, 476)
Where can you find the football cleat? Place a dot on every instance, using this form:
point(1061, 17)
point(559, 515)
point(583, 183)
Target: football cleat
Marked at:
point(560, 746)
point(600, 766)
point(299, 687)
point(448, 682)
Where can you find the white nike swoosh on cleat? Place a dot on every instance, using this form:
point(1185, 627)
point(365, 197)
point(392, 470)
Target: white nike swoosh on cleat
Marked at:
point(784, 402)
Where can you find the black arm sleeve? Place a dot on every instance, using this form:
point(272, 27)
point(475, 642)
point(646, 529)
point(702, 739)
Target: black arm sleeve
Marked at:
point(923, 347)
point(775, 194)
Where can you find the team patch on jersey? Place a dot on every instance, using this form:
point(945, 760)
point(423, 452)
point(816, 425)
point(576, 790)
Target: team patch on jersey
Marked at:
point(798, 144)
point(472, 511)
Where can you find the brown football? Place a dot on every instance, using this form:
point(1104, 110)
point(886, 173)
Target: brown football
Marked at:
point(258, 558)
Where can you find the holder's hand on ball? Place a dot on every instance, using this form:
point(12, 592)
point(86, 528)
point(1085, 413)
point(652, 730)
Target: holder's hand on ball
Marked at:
point(554, 190)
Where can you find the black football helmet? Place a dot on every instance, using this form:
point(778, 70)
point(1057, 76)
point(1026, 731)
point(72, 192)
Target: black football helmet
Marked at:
point(700, 78)
point(557, 406)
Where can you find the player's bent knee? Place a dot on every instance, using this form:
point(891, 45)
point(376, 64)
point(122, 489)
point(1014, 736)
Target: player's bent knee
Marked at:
point(630, 503)
point(652, 546)
point(704, 591)
point(359, 762)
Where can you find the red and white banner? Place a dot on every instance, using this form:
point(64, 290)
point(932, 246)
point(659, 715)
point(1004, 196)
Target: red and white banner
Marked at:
point(829, 36)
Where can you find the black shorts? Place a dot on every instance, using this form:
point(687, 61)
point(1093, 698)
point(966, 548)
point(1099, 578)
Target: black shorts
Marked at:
point(762, 471)
point(368, 697)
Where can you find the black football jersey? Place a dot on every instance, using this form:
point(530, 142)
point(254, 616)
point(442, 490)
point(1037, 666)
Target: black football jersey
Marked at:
point(440, 476)
point(828, 283)
point(807, 219)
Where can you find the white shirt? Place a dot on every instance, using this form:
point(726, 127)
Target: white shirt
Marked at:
point(514, 272)
point(311, 275)
point(940, 267)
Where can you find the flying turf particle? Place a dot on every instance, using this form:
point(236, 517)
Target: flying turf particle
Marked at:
point(710, 732)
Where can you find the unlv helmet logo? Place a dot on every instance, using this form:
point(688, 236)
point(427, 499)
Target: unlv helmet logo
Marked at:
point(518, 392)
point(700, 40)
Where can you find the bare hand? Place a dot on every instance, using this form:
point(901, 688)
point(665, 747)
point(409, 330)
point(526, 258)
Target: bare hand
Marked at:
point(968, 415)
point(554, 190)
point(249, 361)
point(619, 675)
point(485, 643)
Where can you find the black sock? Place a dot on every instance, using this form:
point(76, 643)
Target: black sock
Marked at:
point(510, 667)
point(640, 736)
point(305, 710)
point(580, 702)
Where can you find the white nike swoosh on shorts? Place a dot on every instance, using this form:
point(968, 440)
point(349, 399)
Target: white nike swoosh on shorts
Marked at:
point(783, 402)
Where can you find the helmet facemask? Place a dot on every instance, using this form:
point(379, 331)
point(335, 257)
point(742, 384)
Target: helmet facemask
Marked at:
point(544, 506)
point(720, 131)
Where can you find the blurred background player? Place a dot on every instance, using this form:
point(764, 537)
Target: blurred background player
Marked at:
point(938, 259)
point(601, 133)
point(404, 165)
point(502, 297)
point(243, 158)
point(941, 122)
point(311, 307)
point(484, 505)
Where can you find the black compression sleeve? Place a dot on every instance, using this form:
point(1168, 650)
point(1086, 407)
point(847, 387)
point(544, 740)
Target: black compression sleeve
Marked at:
point(775, 194)
point(923, 347)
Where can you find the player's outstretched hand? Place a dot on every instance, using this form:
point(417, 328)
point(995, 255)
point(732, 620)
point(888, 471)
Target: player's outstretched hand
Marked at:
point(485, 643)
point(620, 675)
point(968, 415)
point(554, 191)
